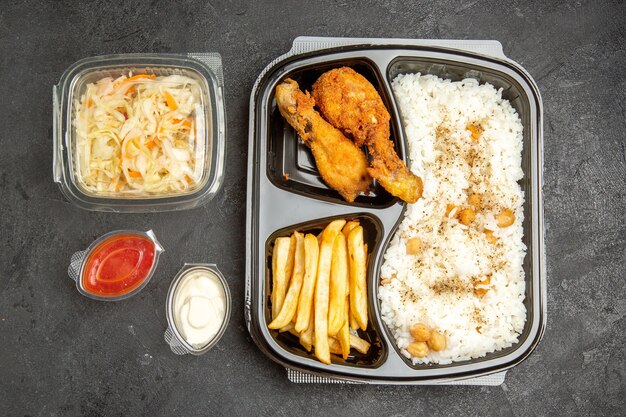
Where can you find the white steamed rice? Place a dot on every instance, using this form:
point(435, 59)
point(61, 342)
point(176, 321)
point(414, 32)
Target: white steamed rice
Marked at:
point(436, 286)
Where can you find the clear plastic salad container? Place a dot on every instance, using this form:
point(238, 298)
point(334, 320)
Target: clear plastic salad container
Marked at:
point(140, 132)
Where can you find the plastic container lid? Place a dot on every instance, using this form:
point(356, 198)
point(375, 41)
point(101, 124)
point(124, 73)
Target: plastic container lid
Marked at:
point(140, 132)
point(175, 334)
point(116, 266)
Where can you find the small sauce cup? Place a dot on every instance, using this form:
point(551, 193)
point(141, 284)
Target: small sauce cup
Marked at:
point(193, 308)
point(116, 266)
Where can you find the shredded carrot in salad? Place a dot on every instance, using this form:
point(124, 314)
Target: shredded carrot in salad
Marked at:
point(137, 135)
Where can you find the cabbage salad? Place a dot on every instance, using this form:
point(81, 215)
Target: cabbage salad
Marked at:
point(139, 134)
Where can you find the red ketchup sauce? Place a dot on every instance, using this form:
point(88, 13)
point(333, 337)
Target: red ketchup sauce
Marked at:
point(118, 265)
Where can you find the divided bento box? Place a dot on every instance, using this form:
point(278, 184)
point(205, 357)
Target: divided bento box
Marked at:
point(286, 193)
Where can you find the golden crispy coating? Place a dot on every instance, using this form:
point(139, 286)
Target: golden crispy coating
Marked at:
point(342, 165)
point(351, 103)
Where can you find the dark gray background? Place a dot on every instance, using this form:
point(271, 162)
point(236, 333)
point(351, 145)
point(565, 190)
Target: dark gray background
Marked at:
point(62, 354)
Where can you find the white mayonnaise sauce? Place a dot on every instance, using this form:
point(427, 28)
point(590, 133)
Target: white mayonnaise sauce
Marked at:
point(199, 307)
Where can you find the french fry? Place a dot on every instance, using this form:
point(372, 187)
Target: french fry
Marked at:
point(358, 284)
point(362, 346)
point(322, 290)
point(348, 227)
point(334, 346)
point(305, 303)
point(287, 328)
point(344, 334)
point(305, 344)
point(290, 259)
point(353, 323)
point(351, 319)
point(346, 231)
point(306, 337)
point(290, 303)
point(282, 267)
point(339, 282)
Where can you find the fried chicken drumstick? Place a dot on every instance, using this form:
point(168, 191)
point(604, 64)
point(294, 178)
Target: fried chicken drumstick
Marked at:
point(342, 165)
point(351, 103)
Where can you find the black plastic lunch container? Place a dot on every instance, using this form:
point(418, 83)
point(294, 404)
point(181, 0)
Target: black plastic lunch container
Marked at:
point(285, 193)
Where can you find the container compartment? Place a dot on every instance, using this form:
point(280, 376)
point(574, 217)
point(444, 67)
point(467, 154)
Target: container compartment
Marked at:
point(372, 235)
point(290, 163)
point(520, 99)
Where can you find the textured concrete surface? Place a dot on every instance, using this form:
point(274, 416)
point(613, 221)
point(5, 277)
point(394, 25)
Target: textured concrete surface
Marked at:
point(64, 355)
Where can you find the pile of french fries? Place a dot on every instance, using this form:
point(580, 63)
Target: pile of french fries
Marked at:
point(319, 289)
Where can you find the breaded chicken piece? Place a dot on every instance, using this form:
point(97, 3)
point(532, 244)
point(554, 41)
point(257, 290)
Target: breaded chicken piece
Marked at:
point(351, 103)
point(342, 165)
